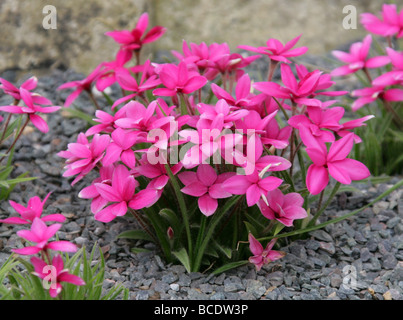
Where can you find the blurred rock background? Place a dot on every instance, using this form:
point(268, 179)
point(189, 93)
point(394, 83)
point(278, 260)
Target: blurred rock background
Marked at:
point(79, 41)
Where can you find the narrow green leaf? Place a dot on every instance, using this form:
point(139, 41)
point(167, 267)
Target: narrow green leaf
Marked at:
point(183, 257)
point(135, 235)
point(229, 266)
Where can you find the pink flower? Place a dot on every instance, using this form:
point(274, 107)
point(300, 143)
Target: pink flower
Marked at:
point(121, 195)
point(129, 83)
point(56, 273)
point(82, 156)
point(32, 108)
point(157, 172)
point(263, 256)
point(136, 38)
point(13, 91)
point(120, 148)
point(108, 75)
point(31, 211)
point(283, 207)
point(91, 192)
point(244, 99)
point(273, 135)
point(302, 92)
point(106, 121)
point(253, 185)
point(206, 185)
point(334, 162)
point(177, 79)
point(390, 24)
point(318, 120)
point(366, 96)
point(221, 112)
point(348, 125)
point(40, 235)
point(277, 51)
point(357, 58)
point(81, 85)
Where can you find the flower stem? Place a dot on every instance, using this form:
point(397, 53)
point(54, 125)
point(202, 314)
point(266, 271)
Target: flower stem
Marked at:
point(182, 206)
point(16, 139)
point(329, 200)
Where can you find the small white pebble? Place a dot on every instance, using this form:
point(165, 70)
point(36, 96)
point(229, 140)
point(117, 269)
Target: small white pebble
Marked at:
point(174, 286)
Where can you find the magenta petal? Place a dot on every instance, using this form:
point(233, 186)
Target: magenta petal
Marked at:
point(107, 192)
point(340, 149)
point(195, 189)
point(348, 169)
point(27, 250)
point(253, 195)
point(144, 199)
point(270, 183)
point(255, 246)
point(216, 191)
point(54, 218)
point(70, 278)
point(237, 184)
point(112, 154)
point(317, 179)
point(105, 215)
point(14, 220)
point(64, 246)
point(206, 174)
point(38, 122)
point(207, 205)
point(266, 210)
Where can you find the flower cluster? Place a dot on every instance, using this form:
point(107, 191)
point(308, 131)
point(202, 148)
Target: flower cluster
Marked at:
point(48, 267)
point(379, 66)
point(202, 123)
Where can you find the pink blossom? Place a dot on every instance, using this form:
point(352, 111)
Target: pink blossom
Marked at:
point(348, 125)
point(334, 162)
point(31, 109)
point(273, 135)
point(120, 195)
point(29, 85)
point(82, 156)
point(129, 83)
point(244, 99)
point(277, 51)
point(56, 273)
point(263, 256)
point(80, 85)
point(366, 96)
point(390, 24)
point(178, 79)
point(120, 148)
point(31, 211)
point(253, 185)
point(157, 172)
point(91, 192)
point(136, 38)
point(318, 120)
point(357, 59)
point(106, 121)
point(108, 75)
point(40, 235)
point(221, 112)
point(206, 185)
point(283, 207)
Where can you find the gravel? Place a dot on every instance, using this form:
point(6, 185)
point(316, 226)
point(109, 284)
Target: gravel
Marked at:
point(358, 258)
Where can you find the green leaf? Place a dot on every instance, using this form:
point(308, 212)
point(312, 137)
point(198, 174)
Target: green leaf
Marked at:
point(135, 235)
point(79, 114)
point(138, 250)
point(183, 257)
point(225, 250)
point(231, 265)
